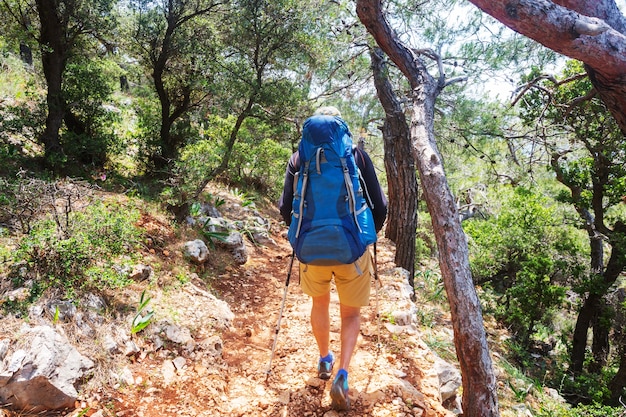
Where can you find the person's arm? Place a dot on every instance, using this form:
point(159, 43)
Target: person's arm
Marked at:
point(286, 199)
point(377, 199)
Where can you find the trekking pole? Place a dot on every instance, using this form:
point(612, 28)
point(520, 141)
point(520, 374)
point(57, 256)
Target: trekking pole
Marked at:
point(280, 315)
point(377, 283)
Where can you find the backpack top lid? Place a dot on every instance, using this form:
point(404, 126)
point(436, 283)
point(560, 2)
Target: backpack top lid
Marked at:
point(320, 129)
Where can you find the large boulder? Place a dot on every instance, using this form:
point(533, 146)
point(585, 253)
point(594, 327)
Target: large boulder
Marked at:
point(41, 371)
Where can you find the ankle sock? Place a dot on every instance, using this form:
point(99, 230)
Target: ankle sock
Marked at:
point(328, 358)
point(342, 372)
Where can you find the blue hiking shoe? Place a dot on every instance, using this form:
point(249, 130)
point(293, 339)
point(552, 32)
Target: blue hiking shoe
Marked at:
point(325, 366)
point(339, 392)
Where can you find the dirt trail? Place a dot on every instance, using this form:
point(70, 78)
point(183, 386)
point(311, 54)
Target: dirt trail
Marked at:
point(390, 378)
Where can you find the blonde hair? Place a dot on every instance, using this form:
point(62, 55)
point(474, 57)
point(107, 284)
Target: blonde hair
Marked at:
point(328, 111)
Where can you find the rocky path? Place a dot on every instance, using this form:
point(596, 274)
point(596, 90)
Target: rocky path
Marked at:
point(393, 377)
point(208, 348)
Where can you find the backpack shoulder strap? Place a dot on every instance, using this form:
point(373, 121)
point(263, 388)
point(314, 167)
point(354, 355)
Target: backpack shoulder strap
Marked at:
point(295, 164)
point(305, 181)
point(359, 157)
point(295, 161)
point(360, 162)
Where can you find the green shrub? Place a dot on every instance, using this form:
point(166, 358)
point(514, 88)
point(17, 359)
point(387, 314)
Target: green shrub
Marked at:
point(70, 259)
point(102, 277)
point(586, 388)
point(110, 229)
point(527, 256)
point(146, 133)
point(581, 410)
point(425, 245)
point(431, 286)
point(87, 86)
point(261, 164)
point(190, 172)
point(21, 123)
point(14, 77)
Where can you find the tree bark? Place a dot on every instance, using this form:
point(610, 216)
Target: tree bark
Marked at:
point(479, 383)
point(400, 167)
point(592, 32)
point(159, 63)
point(54, 57)
point(601, 325)
point(230, 145)
point(616, 386)
point(594, 311)
point(579, 341)
point(172, 107)
point(26, 54)
point(593, 304)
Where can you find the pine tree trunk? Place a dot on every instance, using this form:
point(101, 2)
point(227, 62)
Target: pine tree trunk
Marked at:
point(479, 382)
point(400, 167)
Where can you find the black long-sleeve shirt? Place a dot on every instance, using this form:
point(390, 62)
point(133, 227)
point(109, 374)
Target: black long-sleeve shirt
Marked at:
point(364, 162)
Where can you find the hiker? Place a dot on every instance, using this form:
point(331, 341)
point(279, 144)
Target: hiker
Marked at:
point(352, 277)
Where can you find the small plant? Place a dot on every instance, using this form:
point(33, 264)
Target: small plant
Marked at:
point(219, 202)
point(388, 317)
point(443, 347)
point(57, 314)
point(247, 229)
point(84, 412)
point(212, 235)
point(426, 317)
point(520, 393)
point(432, 288)
point(182, 278)
point(247, 200)
point(141, 321)
point(216, 201)
point(195, 209)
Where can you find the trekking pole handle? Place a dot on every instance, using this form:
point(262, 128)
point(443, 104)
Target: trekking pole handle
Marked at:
point(293, 255)
point(375, 263)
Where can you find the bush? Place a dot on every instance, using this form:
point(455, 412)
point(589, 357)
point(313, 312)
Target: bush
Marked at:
point(190, 171)
point(70, 259)
point(90, 134)
point(21, 122)
point(259, 159)
point(425, 244)
point(527, 256)
point(581, 410)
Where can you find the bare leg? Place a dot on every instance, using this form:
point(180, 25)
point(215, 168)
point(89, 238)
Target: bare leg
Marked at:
point(350, 327)
point(320, 322)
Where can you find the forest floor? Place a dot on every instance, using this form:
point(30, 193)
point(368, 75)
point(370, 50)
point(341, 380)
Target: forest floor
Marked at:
point(240, 385)
point(390, 374)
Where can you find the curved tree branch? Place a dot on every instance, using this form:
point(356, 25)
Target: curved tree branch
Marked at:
point(593, 32)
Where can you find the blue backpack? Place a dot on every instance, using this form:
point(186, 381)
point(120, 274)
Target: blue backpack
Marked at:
point(331, 222)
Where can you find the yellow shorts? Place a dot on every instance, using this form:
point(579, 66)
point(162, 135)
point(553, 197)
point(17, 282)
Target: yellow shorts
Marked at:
point(352, 280)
